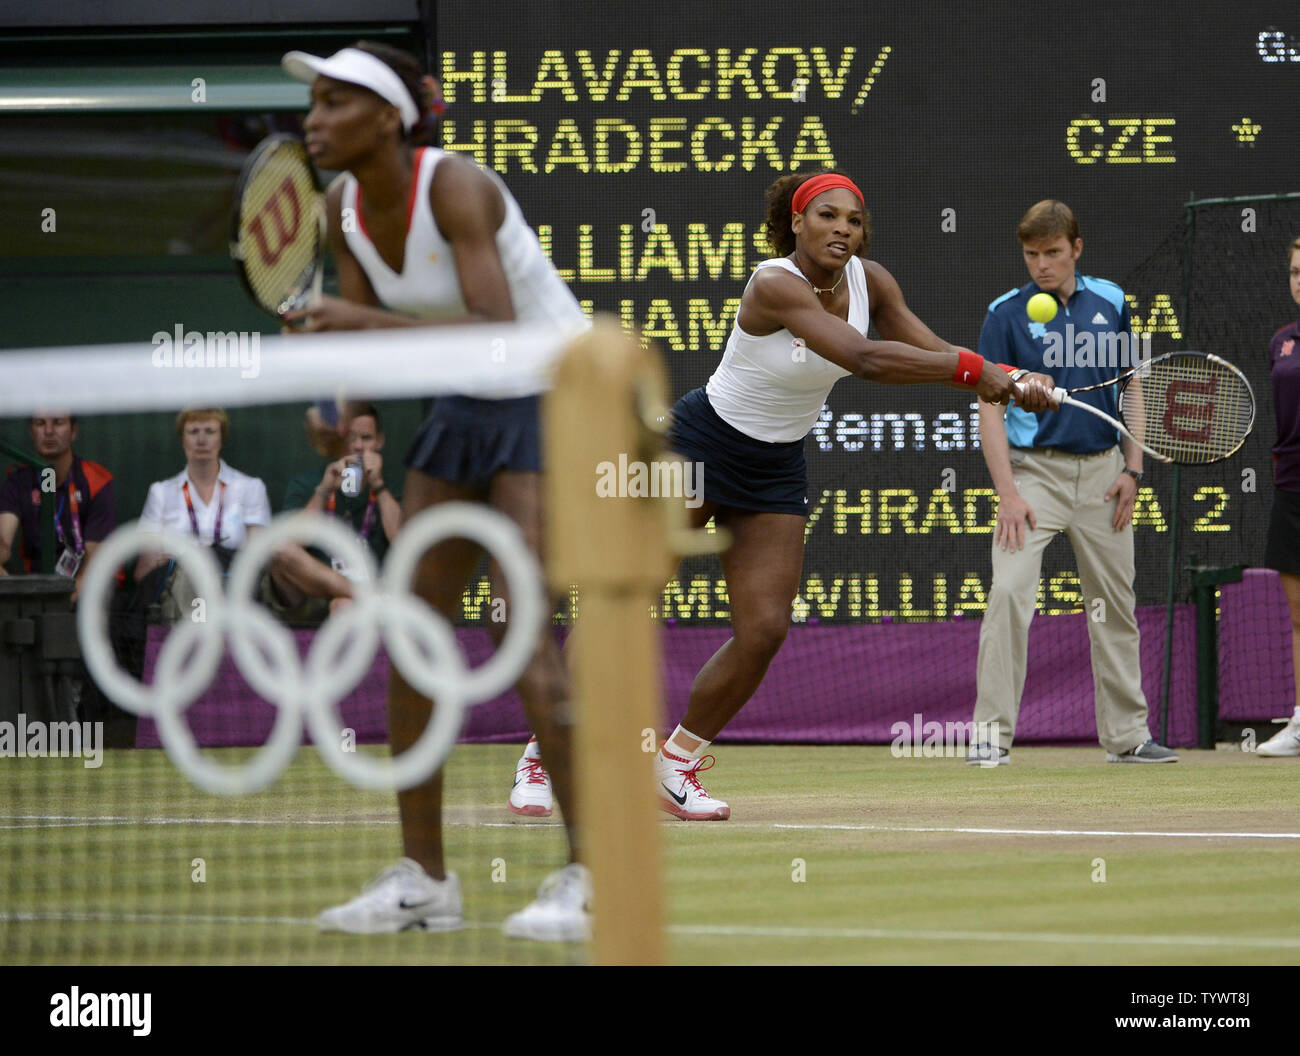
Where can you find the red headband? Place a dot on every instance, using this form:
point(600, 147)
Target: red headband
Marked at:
point(809, 189)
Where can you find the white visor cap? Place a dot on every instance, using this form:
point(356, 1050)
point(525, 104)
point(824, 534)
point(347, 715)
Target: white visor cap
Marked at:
point(356, 67)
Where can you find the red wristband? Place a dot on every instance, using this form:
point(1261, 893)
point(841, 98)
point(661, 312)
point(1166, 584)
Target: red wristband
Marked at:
point(969, 367)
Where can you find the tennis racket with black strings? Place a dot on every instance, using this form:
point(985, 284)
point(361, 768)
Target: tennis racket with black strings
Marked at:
point(1182, 408)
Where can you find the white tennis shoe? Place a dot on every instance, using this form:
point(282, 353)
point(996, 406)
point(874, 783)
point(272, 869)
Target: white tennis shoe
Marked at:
point(402, 897)
point(988, 755)
point(531, 795)
point(561, 911)
point(1283, 743)
point(680, 791)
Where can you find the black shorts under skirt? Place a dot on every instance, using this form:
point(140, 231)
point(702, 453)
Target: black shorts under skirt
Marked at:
point(739, 471)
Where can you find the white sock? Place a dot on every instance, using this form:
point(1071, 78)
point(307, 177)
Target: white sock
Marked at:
point(533, 750)
point(674, 746)
point(1296, 716)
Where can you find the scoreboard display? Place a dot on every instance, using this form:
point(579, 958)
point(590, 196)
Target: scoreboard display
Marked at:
point(639, 141)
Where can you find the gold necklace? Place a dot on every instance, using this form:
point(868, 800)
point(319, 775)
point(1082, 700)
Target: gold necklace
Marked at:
point(819, 291)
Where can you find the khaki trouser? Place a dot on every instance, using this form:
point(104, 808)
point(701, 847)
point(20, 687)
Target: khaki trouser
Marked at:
point(1066, 492)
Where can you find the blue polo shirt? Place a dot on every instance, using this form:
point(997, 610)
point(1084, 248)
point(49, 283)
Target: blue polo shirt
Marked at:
point(1089, 341)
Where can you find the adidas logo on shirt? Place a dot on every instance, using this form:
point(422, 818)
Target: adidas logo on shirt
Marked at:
point(1099, 318)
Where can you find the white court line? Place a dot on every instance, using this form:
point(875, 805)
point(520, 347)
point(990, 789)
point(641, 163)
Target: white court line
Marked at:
point(60, 821)
point(71, 821)
point(978, 937)
point(177, 918)
point(1046, 832)
point(141, 918)
point(721, 931)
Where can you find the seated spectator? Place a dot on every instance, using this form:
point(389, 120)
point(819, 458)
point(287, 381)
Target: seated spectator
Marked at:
point(219, 505)
point(84, 516)
point(83, 512)
point(306, 585)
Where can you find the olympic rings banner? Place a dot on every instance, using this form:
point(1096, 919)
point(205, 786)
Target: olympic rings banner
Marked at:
point(419, 641)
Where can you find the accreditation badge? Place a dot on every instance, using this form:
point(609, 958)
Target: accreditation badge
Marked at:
point(68, 564)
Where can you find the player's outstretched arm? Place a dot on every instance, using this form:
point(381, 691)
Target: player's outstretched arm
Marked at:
point(778, 299)
point(895, 321)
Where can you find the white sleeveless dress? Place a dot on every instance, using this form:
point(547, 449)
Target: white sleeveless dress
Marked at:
point(463, 439)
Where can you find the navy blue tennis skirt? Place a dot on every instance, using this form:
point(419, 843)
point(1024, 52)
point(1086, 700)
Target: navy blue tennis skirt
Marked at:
point(469, 441)
point(739, 471)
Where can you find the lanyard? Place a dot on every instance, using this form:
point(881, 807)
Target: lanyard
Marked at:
point(194, 521)
point(367, 522)
point(70, 497)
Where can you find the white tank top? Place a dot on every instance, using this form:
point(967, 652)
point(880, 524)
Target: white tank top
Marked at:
point(773, 388)
point(428, 286)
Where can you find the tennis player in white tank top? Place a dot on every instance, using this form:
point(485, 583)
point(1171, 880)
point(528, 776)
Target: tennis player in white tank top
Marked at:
point(802, 325)
point(428, 284)
point(439, 239)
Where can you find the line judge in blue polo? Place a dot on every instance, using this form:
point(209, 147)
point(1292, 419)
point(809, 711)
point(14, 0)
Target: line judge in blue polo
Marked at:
point(1062, 471)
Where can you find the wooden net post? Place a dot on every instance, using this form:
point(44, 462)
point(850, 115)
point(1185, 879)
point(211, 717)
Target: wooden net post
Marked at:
point(616, 550)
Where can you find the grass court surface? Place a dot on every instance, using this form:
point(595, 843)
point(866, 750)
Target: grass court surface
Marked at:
point(904, 861)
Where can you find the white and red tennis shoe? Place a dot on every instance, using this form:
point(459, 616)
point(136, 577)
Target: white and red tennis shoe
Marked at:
point(531, 794)
point(680, 791)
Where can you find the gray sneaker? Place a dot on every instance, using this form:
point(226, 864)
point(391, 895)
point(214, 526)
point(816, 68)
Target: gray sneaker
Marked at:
point(987, 755)
point(1149, 752)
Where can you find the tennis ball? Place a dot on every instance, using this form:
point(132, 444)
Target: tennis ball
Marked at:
point(1041, 308)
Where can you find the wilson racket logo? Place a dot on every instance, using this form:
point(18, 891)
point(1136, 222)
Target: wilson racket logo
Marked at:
point(284, 197)
point(1179, 413)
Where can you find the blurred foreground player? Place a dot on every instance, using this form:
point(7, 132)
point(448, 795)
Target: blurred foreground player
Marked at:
point(1066, 471)
point(439, 239)
point(802, 325)
point(1283, 550)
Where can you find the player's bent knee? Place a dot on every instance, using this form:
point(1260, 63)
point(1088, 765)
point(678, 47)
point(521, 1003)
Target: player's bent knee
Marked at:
point(764, 635)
